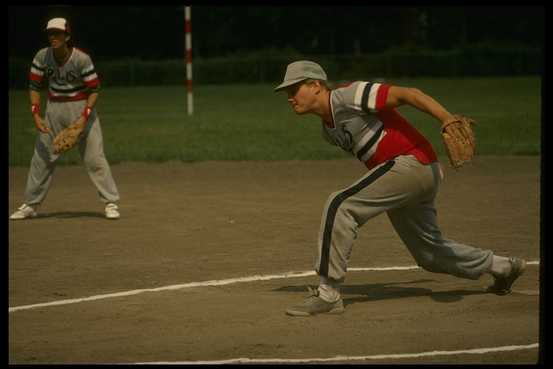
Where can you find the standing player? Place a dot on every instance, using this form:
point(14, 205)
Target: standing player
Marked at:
point(73, 87)
point(402, 180)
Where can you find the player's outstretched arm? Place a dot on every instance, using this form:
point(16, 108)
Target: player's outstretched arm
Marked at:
point(398, 96)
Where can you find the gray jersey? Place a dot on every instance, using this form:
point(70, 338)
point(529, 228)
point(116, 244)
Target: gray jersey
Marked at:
point(355, 128)
point(72, 81)
point(403, 181)
point(69, 86)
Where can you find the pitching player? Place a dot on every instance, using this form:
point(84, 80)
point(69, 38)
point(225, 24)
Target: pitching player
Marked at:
point(73, 87)
point(402, 179)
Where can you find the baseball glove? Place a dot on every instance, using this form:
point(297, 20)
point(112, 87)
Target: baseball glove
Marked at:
point(69, 137)
point(459, 140)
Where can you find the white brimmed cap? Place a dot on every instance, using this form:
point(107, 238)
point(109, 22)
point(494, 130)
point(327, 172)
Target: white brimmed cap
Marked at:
point(58, 23)
point(301, 70)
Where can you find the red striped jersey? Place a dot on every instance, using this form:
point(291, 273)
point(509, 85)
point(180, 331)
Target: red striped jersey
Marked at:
point(74, 80)
point(362, 126)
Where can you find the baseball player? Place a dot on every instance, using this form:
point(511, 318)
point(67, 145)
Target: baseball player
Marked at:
point(73, 87)
point(402, 179)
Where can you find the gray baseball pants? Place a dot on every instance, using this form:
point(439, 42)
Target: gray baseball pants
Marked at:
point(58, 116)
point(405, 189)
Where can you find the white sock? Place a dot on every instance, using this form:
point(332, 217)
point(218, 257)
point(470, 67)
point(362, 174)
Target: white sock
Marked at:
point(329, 289)
point(501, 266)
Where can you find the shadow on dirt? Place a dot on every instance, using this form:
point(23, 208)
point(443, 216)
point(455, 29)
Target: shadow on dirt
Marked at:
point(394, 290)
point(71, 214)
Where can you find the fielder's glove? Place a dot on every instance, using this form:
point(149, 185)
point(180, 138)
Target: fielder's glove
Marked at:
point(459, 140)
point(69, 137)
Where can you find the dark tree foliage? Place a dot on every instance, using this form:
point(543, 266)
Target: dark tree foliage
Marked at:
point(157, 32)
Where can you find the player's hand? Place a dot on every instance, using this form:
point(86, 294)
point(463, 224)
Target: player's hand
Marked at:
point(40, 124)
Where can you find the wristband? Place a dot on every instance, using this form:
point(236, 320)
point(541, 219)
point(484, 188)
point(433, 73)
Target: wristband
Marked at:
point(35, 109)
point(86, 112)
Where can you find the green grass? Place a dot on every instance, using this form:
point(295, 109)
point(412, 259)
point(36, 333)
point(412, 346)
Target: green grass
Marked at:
point(250, 122)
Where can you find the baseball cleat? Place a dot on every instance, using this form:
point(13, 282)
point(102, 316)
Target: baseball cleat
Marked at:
point(502, 285)
point(23, 212)
point(315, 305)
point(112, 211)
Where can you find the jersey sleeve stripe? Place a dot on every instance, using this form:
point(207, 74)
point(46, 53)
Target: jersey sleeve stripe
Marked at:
point(359, 94)
point(374, 97)
point(37, 72)
point(35, 81)
point(90, 79)
point(365, 97)
point(37, 67)
point(88, 73)
point(382, 96)
point(95, 83)
point(35, 77)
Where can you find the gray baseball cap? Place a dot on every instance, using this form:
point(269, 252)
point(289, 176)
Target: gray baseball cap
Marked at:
point(299, 71)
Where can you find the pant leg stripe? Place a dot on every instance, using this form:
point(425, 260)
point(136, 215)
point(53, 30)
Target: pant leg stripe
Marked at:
point(333, 209)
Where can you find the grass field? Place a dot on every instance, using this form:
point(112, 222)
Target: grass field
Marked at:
point(250, 122)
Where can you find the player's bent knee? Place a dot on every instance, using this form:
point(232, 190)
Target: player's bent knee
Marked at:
point(430, 265)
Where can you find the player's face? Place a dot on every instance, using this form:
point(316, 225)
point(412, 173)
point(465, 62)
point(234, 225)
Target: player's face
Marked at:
point(56, 38)
point(301, 97)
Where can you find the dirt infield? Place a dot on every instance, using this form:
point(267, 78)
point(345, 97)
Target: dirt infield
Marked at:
point(193, 222)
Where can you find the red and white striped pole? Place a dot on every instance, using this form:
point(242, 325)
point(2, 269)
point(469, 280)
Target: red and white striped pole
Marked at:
point(188, 48)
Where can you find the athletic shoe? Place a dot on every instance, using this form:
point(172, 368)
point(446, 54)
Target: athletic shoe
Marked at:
point(502, 285)
point(112, 211)
point(24, 212)
point(315, 305)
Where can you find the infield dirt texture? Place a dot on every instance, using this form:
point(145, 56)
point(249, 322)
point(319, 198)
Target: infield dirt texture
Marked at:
point(193, 222)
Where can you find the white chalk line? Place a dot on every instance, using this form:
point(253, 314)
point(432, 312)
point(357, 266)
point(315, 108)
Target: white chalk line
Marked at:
point(244, 360)
point(220, 282)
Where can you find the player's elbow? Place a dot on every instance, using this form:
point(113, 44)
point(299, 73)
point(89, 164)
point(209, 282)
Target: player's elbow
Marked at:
point(415, 92)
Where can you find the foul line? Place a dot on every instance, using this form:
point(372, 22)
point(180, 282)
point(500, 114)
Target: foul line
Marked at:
point(354, 358)
point(220, 282)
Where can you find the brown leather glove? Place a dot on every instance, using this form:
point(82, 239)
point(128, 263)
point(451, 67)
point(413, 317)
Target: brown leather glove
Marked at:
point(69, 137)
point(459, 140)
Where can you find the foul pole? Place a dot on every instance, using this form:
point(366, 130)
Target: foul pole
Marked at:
point(188, 51)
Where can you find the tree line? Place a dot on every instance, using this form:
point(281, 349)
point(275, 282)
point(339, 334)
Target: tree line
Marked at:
point(157, 32)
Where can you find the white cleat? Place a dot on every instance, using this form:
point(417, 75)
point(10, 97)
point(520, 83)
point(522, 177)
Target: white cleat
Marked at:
point(24, 212)
point(112, 211)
